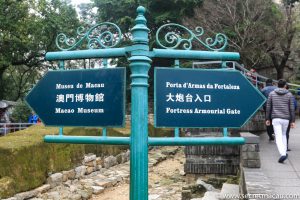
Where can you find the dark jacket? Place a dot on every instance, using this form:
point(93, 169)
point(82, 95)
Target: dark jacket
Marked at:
point(280, 104)
point(266, 91)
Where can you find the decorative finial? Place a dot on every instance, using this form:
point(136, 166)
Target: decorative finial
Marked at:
point(140, 30)
point(141, 10)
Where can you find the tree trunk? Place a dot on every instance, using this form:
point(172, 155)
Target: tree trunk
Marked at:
point(2, 85)
point(280, 71)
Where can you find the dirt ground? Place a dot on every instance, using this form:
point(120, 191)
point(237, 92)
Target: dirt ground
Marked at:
point(160, 175)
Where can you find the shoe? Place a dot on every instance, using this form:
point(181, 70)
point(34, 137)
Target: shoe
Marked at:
point(271, 139)
point(288, 149)
point(283, 158)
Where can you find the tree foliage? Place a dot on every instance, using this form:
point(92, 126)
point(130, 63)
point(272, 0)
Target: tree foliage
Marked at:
point(287, 31)
point(261, 30)
point(27, 30)
point(159, 12)
point(21, 112)
point(248, 25)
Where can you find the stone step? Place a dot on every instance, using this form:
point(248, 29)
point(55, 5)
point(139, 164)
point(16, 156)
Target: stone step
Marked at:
point(208, 187)
point(229, 189)
point(211, 195)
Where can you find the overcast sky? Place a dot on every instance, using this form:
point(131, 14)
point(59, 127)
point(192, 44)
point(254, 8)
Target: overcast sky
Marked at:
point(76, 2)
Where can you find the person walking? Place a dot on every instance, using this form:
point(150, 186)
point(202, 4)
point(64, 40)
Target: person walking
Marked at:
point(266, 91)
point(288, 129)
point(252, 76)
point(280, 109)
point(33, 118)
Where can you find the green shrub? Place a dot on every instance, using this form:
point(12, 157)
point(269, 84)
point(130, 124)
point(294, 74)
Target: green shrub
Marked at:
point(21, 112)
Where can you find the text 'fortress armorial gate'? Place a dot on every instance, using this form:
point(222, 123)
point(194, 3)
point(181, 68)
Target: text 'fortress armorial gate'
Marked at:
point(183, 97)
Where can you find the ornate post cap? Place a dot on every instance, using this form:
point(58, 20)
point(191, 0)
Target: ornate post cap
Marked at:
point(141, 10)
point(140, 19)
point(140, 30)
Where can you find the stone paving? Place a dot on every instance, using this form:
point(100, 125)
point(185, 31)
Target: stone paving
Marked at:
point(284, 178)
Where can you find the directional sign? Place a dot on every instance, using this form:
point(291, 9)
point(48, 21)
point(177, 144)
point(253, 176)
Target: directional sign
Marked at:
point(204, 98)
point(80, 98)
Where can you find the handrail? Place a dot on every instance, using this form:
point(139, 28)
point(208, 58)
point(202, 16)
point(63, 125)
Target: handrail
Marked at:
point(17, 123)
point(253, 76)
point(6, 128)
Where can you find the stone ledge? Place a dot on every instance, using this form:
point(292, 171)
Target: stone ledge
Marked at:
point(254, 181)
point(250, 138)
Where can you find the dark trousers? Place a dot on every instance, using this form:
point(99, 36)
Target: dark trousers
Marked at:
point(288, 135)
point(270, 131)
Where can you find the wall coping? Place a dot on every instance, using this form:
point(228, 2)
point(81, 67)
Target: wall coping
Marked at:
point(255, 184)
point(250, 138)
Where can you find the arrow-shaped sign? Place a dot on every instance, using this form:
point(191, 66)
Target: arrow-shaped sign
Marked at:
point(80, 98)
point(204, 98)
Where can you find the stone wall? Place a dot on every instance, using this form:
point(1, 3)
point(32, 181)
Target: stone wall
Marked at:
point(253, 180)
point(25, 160)
point(211, 159)
point(96, 175)
point(256, 123)
point(250, 151)
point(222, 159)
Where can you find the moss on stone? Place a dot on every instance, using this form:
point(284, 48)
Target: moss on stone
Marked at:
point(234, 179)
point(217, 182)
point(25, 138)
point(7, 186)
point(160, 132)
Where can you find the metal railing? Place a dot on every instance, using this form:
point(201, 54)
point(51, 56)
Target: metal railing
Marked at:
point(253, 77)
point(6, 128)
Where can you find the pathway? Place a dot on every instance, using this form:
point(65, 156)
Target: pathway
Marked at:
point(285, 178)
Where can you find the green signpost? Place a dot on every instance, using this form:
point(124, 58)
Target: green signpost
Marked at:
point(140, 57)
point(204, 98)
point(80, 98)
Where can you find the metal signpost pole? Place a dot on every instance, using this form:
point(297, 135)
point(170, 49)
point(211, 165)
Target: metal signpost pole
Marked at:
point(104, 130)
point(176, 130)
point(61, 67)
point(139, 65)
point(225, 130)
